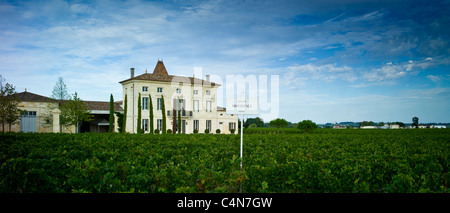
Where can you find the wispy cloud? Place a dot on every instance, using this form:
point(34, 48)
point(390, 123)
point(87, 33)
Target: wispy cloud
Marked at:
point(434, 78)
point(393, 71)
point(325, 73)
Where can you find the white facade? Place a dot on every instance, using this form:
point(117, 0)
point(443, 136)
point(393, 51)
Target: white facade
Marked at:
point(198, 103)
point(395, 126)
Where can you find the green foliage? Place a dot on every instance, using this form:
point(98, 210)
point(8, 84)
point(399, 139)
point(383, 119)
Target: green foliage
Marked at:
point(111, 114)
point(74, 111)
point(206, 131)
point(120, 118)
point(169, 131)
point(258, 122)
point(163, 111)
point(9, 104)
point(367, 123)
point(279, 123)
point(354, 161)
point(195, 131)
point(307, 126)
point(217, 131)
point(125, 106)
point(271, 130)
point(179, 122)
point(415, 122)
point(151, 113)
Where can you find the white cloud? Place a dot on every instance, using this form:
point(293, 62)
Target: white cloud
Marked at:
point(326, 73)
point(387, 72)
point(393, 71)
point(434, 78)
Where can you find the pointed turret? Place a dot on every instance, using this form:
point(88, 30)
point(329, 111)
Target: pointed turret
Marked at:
point(160, 69)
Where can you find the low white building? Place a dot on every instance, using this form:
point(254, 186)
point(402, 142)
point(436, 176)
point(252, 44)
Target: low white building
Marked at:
point(368, 127)
point(41, 114)
point(339, 127)
point(394, 126)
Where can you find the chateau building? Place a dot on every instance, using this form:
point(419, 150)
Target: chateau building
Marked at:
point(194, 98)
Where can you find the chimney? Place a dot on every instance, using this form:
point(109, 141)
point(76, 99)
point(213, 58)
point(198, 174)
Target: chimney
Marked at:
point(132, 72)
point(207, 78)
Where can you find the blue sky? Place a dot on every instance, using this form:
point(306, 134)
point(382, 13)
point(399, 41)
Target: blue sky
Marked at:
point(336, 60)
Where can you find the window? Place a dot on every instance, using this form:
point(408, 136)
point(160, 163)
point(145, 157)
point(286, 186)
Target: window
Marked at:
point(208, 92)
point(208, 106)
point(196, 124)
point(145, 103)
point(179, 91)
point(232, 125)
point(144, 89)
point(145, 124)
point(208, 125)
point(179, 104)
point(29, 113)
point(195, 92)
point(159, 104)
point(159, 124)
point(196, 106)
point(159, 89)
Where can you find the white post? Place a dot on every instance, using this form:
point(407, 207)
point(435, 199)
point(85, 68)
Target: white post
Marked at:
point(242, 136)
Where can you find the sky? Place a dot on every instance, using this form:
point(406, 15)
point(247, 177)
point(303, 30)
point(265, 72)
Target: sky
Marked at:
point(336, 61)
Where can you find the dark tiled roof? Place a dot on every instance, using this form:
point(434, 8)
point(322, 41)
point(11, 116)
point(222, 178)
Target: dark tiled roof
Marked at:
point(31, 97)
point(101, 105)
point(160, 69)
point(92, 105)
point(160, 74)
point(169, 78)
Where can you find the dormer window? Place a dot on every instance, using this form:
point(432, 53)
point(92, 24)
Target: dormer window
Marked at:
point(179, 91)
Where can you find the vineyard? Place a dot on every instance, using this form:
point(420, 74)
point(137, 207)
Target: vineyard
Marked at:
point(374, 161)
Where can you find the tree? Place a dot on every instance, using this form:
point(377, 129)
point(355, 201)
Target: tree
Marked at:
point(367, 123)
point(257, 121)
point(9, 104)
point(60, 94)
point(60, 91)
point(163, 111)
point(151, 114)
point(279, 122)
point(139, 128)
point(179, 117)
point(307, 126)
point(124, 125)
point(119, 121)
point(415, 122)
point(179, 122)
point(74, 111)
point(111, 114)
